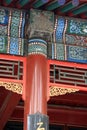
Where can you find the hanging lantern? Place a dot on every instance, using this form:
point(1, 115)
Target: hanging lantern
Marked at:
point(61, 2)
point(75, 2)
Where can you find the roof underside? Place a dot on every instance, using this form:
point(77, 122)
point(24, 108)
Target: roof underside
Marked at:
point(67, 9)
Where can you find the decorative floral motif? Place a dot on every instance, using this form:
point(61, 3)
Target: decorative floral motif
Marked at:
point(77, 27)
point(12, 23)
point(77, 54)
point(14, 87)
point(76, 40)
point(70, 40)
point(56, 91)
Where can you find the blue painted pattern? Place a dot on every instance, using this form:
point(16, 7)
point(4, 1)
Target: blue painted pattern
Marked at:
point(60, 29)
point(12, 30)
point(4, 16)
point(77, 54)
point(14, 46)
point(77, 27)
point(23, 25)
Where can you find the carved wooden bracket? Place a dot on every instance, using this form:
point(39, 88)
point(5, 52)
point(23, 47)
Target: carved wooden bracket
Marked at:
point(56, 91)
point(14, 87)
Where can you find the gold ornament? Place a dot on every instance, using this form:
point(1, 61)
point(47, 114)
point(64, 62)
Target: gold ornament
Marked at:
point(14, 87)
point(56, 91)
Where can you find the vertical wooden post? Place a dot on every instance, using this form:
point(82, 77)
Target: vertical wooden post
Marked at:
point(36, 89)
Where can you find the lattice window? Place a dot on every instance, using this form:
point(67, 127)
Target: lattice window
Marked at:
point(68, 75)
point(11, 69)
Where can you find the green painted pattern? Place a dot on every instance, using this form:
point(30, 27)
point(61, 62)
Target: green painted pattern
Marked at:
point(3, 44)
point(8, 1)
point(67, 8)
point(37, 49)
point(38, 3)
point(80, 10)
point(23, 2)
point(60, 51)
point(12, 23)
point(53, 6)
point(37, 46)
point(3, 30)
point(77, 27)
point(16, 13)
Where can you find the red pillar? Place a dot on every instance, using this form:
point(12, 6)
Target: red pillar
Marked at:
point(36, 87)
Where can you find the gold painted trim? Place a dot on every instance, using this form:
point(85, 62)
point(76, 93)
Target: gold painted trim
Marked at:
point(56, 91)
point(14, 87)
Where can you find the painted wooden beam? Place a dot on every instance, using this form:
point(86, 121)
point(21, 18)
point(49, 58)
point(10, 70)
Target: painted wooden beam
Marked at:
point(8, 107)
point(67, 7)
point(21, 3)
point(7, 2)
point(53, 6)
point(83, 15)
point(39, 3)
point(79, 10)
